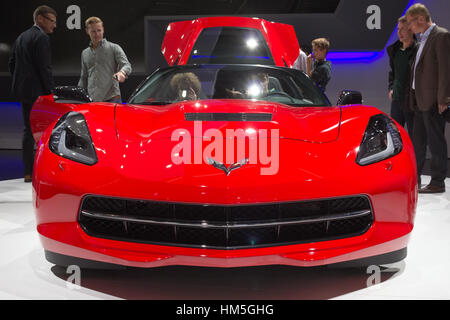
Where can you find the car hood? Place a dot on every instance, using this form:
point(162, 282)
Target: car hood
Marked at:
point(311, 124)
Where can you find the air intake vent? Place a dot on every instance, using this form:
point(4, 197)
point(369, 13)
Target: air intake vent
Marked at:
point(228, 116)
point(225, 227)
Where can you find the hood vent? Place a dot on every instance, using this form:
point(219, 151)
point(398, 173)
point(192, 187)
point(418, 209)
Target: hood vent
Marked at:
point(228, 116)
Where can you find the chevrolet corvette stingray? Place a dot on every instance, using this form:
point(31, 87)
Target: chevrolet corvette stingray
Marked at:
point(228, 157)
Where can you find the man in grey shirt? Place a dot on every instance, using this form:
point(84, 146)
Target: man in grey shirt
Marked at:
point(103, 65)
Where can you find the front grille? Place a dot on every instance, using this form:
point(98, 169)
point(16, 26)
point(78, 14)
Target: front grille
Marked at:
point(225, 227)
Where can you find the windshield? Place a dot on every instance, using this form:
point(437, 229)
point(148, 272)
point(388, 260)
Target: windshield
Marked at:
point(199, 82)
point(225, 45)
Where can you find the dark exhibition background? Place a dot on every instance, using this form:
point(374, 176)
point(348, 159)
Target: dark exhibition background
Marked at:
point(358, 42)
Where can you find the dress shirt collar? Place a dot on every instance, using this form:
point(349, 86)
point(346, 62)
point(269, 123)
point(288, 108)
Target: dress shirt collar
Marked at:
point(35, 25)
point(425, 35)
point(100, 44)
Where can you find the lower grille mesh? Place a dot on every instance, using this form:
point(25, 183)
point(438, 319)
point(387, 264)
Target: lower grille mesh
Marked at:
point(225, 227)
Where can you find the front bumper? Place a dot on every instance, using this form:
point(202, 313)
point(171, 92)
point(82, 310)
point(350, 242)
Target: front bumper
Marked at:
point(59, 186)
point(69, 239)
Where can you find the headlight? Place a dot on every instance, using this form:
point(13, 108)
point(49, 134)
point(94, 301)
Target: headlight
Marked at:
point(381, 140)
point(71, 139)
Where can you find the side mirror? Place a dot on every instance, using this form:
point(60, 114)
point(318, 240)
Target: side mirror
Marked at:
point(71, 94)
point(349, 97)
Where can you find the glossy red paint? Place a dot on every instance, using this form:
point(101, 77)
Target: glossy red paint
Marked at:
point(71, 240)
point(45, 111)
point(313, 124)
point(180, 38)
point(136, 163)
point(134, 144)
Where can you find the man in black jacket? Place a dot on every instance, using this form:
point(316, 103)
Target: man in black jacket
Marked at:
point(401, 55)
point(30, 67)
point(318, 68)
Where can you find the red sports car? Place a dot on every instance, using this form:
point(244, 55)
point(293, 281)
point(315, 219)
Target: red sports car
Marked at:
point(226, 158)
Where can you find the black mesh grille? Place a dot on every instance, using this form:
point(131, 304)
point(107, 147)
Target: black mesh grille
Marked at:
point(225, 227)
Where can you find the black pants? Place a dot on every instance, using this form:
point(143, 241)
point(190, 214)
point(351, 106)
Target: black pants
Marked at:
point(401, 116)
point(27, 139)
point(429, 130)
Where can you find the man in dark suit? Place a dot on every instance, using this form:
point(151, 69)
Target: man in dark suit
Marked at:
point(401, 56)
point(30, 67)
point(430, 82)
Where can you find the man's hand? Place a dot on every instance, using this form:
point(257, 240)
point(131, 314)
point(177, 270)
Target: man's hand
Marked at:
point(390, 94)
point(120, 76)
point(235, 94)
point(442, 108)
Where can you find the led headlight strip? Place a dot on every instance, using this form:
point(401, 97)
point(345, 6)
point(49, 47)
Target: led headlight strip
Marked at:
point(71, 139)
point(381, 141)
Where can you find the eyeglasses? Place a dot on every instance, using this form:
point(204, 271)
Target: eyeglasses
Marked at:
point(49, 19)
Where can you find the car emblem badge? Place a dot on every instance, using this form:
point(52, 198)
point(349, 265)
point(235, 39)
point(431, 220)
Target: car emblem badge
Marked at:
point(222, 167)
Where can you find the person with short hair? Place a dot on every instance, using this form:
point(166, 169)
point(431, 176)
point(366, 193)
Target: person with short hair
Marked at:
point(401, 55)
point(430, 94)
point(103, 65)
point(30, 65)
point(319, 69)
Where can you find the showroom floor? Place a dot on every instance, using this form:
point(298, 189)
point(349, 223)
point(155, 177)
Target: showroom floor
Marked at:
point(25, 274)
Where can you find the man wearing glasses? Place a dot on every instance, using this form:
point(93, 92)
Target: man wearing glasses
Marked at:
point(31, 70)
point(430, 83)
